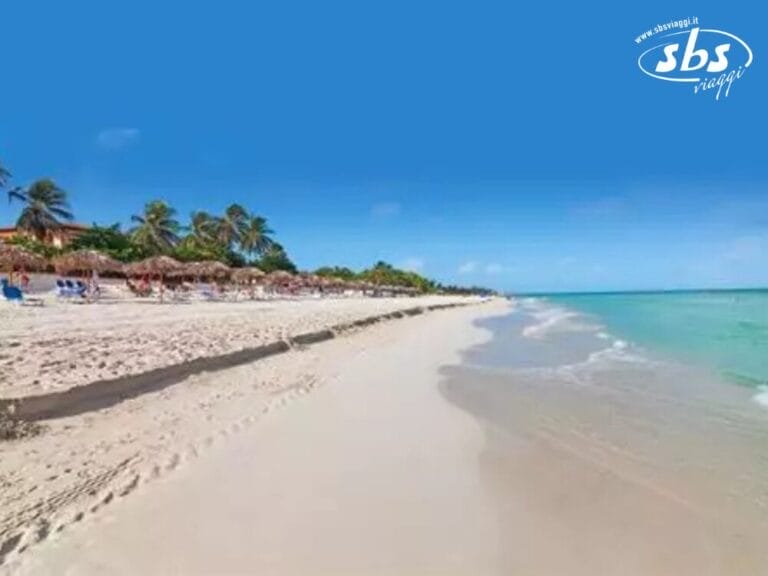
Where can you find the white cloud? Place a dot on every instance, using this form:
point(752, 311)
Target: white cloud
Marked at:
point(468, 267)
point(412, 264)
point(116, 138)
point(385, 209)
point(493, 269)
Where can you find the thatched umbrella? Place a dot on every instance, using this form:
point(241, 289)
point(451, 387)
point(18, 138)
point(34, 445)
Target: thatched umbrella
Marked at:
point(86, 261)
point(185, 269)
point(248, 276)
point(210, 269)
point(309, 280)
point(16, 258)
point(279, 277)
point(156, 266)
point(160, 266)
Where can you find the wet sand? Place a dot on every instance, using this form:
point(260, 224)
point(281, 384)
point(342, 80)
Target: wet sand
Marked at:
point(615, 465)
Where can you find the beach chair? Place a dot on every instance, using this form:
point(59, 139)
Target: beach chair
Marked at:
point(67, 289)
point(81, 289)
point(61, 289)
point(207, 293)
point(14, 294)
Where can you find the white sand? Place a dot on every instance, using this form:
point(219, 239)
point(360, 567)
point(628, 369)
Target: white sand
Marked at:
point(371, 473)
point(345, 458)
point(62, 345)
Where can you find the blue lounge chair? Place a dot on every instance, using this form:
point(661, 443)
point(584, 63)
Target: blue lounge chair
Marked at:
point(65, 289)
point(68, 289)
point(14, 294)
point(61, 289)
point(11, 293)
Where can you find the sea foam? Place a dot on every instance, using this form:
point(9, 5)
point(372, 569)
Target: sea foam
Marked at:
point(554, 319)
point(762, 396)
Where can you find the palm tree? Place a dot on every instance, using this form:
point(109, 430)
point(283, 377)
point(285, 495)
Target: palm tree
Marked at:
point(204, 226)
point(256, 235)
point(45, 206)
point(157, 229)
point(232, 224)
point(4, 176)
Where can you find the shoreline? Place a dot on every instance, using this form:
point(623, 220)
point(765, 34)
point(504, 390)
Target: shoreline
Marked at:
point(87, 463)
point(617, 462)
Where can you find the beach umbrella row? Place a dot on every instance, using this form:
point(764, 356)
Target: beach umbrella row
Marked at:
point(17, 258)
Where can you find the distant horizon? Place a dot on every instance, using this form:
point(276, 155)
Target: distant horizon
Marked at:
point(647, 291)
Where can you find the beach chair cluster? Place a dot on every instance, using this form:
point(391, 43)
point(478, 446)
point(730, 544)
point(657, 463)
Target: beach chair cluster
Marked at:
point(68, 289)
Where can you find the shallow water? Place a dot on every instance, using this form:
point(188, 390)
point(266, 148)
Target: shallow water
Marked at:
point(725, 330)
point(639, 449)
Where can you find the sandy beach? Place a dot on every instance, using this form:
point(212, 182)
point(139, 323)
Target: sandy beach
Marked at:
point(62, 345)
point(399, 448)
point(76, 472)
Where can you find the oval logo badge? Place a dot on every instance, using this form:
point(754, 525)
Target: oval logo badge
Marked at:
point(710, 59)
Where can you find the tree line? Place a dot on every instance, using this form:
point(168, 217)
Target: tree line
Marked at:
point(237, 237)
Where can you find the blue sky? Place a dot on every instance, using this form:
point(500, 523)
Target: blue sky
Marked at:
point(478, 142)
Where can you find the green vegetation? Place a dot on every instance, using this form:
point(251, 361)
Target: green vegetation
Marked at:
point(156, 230)
point(275, 258)
point(339, 272)
point(34, 245)
point(383, 274)
point(227, 238)
point(109, 240)
point(45, 206)
point(387, 275)
point(4, 176)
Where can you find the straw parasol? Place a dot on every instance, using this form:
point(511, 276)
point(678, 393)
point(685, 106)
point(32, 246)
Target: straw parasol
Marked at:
point(247, 275)
point(155, 266)
point(86, 260)
point(16, 258)
point(160, 266)
point(279, 277)
point(309, 280)
point(209, 269)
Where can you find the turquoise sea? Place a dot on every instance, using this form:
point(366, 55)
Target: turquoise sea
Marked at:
point(726, 330)
point(664, 392)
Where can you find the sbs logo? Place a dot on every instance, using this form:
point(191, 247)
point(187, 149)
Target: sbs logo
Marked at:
point(709, 59)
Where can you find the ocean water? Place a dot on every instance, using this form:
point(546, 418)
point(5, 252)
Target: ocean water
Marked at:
point(607, 407)
point(725, 331)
